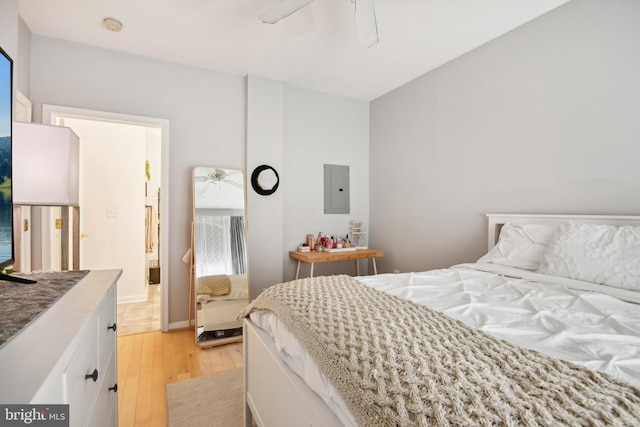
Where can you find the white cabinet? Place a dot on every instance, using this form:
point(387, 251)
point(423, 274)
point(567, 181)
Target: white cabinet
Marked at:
point(68, 354)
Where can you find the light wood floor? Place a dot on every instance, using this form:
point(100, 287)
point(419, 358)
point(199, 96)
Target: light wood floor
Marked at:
point(147, 362)
point(136, 317)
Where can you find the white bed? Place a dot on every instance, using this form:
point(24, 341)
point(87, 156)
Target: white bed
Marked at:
point(217, 308)
point(504, 294)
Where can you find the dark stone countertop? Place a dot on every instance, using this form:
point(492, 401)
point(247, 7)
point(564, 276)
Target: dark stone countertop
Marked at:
point(21, 303)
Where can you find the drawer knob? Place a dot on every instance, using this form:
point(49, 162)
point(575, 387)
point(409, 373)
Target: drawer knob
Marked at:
point(114, 388)
point(93, 375)
point(114, 327)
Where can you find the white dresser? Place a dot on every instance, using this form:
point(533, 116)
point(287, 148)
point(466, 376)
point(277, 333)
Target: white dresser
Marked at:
point(68, 354)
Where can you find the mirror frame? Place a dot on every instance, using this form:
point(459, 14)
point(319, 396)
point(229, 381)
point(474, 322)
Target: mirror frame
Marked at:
point(230, 329)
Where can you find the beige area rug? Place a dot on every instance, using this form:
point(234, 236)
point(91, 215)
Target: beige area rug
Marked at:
point(212, 401)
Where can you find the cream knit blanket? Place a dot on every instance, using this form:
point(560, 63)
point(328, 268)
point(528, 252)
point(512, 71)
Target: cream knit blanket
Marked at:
point(397, 363)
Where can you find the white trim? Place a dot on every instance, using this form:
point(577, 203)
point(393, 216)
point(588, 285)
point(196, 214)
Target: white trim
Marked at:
point(183, 324)
point(133, 299)
point(496, 221)
point(49, 114)
point(23, 108)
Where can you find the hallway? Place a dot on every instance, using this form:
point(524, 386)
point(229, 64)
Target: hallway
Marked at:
point(137, 317)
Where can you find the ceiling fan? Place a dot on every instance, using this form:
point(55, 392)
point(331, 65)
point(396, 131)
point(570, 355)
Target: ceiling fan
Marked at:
point(219, 176)
point(364, 15)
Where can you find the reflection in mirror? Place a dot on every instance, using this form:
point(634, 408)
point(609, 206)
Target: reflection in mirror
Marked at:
point(220, 254)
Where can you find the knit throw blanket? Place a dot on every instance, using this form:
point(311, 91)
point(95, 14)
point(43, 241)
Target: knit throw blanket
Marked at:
point(397, 363)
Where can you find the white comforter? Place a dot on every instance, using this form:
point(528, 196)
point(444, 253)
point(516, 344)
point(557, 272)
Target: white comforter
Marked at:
point(592, 329)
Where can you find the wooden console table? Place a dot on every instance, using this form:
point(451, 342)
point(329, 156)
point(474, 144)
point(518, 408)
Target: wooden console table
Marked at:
point(314, 257)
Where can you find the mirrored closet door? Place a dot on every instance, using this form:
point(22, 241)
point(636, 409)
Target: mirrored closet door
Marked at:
point(220, 284)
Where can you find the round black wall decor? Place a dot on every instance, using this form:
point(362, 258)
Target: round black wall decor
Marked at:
point(265, 180)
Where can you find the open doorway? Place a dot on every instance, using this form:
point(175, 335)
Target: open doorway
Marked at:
point(122, 200)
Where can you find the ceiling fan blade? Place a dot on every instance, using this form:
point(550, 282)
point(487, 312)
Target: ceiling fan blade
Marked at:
point(200, 178)
point(364, 14)
point(282, 10)
point(206, 191)
point(235, 184)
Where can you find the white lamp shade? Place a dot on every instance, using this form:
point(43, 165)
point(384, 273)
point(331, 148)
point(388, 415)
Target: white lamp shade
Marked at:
point(45, 165)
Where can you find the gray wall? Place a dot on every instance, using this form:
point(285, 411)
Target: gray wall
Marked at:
point(265, 214)
point(297, 131)
point(206, 111)
point(213, 116)
point(323, 129)
point(541, 120)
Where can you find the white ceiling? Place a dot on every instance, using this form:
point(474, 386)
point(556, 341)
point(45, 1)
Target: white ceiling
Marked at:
point(315, 48)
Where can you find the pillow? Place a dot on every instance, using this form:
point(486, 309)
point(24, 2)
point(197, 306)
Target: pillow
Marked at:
point(603, 254)
point(521, 245)
point(215, 285)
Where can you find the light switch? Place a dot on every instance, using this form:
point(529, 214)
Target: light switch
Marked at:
point(112, 212)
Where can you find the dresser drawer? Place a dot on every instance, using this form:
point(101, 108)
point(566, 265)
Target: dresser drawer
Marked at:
point(52, 391)
point(106, 312)
point(104, 412)
point(80, 390)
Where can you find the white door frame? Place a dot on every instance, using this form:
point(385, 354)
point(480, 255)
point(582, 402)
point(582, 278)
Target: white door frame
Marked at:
point(51, 112)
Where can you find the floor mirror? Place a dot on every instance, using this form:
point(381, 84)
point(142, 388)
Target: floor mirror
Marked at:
point(220, 285)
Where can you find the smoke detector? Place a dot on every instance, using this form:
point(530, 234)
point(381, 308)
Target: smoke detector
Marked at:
point(112, 24)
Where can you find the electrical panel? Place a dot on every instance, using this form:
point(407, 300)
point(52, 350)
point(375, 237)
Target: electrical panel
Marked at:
point(336, 189)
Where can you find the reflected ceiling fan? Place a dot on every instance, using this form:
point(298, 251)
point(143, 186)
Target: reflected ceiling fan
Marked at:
point(219, 176)
point(364, 15)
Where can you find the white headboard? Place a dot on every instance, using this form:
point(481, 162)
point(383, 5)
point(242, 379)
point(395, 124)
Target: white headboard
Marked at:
point(496, 221)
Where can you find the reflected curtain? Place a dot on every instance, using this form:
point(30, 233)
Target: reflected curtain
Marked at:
point(238, 250)
point(213, 245)
point(220, 246)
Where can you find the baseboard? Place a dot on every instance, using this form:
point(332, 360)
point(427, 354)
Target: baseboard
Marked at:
point(183, 324)
point(132, 298)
